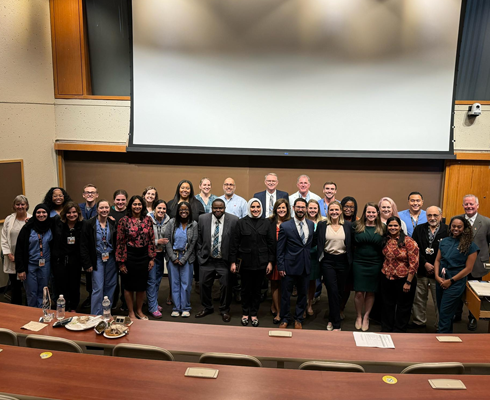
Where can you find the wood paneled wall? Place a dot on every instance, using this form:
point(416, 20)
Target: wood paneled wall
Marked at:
point(462, 178)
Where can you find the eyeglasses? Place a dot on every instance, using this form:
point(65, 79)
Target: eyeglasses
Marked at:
point(91, 193)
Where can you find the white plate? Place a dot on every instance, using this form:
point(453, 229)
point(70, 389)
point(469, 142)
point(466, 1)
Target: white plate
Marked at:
point(82, 327)
point(115, 337)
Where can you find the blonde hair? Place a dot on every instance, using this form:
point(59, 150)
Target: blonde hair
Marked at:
point(341, 216)
point(319, 215)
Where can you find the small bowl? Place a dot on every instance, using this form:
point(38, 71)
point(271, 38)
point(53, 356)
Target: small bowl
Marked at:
point(101, 327)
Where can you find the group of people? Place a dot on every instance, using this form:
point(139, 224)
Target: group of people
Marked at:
point(391, 259)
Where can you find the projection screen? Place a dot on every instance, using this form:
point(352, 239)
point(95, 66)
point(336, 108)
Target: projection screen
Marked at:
point(294, 77)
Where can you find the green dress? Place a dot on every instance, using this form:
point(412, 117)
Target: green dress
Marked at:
point(368, 260)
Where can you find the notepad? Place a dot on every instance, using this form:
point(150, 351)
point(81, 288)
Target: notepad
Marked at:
point(480, 288)
point(34, 326)
point(281, 333)
point(209, 373)
point(451, 384)
point(373, 340)
point(449, 339)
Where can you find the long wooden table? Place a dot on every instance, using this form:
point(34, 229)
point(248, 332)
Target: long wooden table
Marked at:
point(195, 339)
point(83, 376)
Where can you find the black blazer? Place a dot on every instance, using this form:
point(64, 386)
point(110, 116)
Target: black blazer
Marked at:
point(261, 196)
point(321, 230)
point(293, 256)
point(253, 242)
point(59, 239)
point(204, 245)
point(421, 237)
point(196, 207)
point(88, 252)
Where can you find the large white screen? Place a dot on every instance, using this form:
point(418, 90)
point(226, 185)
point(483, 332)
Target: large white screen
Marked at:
point(353, 75)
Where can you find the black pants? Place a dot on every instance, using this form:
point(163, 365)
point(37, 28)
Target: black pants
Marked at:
point(334, 269)
point(287, 282)
point(251, 284)
point(88, 283)
point(16, 286)
point(119, 289)
point(397, 304)
point(207, 274)
point(67, 273)
point(197, 275)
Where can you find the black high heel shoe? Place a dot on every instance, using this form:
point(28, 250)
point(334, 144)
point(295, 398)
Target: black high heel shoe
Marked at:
point(244, 321)
point(255, 322)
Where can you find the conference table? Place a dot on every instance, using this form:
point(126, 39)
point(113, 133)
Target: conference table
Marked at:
point(304, 345)
point(67, 376)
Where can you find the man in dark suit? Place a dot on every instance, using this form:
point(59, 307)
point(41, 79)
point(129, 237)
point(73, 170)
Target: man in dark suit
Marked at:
point(294, 243)
point(269, 197)
point(427, 236)
point(481, 237)
point(213, 244)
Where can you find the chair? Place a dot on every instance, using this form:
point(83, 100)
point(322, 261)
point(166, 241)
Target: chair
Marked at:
point(241, 360)
point(5, 397)
point(331, 366)
point(142, 351)
point(8, 337)
point(52, 343)
point(450, 368)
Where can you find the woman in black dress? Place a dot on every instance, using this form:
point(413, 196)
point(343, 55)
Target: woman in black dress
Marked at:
point(252, 253)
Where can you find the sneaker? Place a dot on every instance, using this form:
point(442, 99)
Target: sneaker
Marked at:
point(186, 314)
point(157, 314)
point(160, 308)
point(329, 326)
point(175, 314)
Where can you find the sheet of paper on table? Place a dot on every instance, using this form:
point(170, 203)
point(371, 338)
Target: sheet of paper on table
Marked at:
point(481, 288)
point(34, 326)
point(370, 339)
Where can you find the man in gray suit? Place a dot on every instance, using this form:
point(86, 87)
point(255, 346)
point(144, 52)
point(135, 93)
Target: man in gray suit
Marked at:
point(481, 237)
point(213, 244)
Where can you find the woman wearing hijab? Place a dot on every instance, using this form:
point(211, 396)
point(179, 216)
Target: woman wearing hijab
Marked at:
point(33, 255)
point(252, 253)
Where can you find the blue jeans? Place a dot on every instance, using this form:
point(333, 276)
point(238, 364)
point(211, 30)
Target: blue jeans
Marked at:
point(154, 279)
point(181, 285)
point(103, 283)
point(37, 279)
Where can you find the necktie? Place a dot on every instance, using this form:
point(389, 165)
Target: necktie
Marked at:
point(302, 232)
point(271, 205)
point(215, 250)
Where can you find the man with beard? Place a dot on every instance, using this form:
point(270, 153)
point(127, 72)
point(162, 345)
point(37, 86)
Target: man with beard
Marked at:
point(427, 236)
point(293, 262)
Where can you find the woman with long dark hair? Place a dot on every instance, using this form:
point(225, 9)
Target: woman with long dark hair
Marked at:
point(181, 232)
point(185, 192)
point(349, 209)
point(55, 199)
point(33, 254)
point(150, 195)
point(135, 253)
point(401, 261)
point(280, 213)
point(455, 259)
point(368, 234)
point(66, 251)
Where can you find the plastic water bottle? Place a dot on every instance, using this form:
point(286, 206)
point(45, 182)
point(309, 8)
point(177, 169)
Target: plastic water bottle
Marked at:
point(106, 309)
point(60, 307)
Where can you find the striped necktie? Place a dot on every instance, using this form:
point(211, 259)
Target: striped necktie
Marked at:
point(302, 232)
point(271, 205)
point(215, 250)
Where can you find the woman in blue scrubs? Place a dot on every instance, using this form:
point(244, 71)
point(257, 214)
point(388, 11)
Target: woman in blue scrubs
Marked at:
point(55, 199)
point(98, 255)
point(455, 258)
point(33, 255)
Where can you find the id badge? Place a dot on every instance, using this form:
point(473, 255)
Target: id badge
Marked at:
point(105, 257)
point(71, 239)
point(42, 262)
point(429, 251)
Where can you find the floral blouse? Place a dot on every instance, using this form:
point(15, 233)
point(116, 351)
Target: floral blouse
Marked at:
point(400, 261)
point(134, 232)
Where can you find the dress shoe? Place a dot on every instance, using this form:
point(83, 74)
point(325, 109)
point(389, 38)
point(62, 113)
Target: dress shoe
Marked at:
point(203, 313)
point(283, 325)
point(457, 318)
point(244, 321)
point(365, 326)
point(255, 322)
point(276, 321)
point(472, 324)
point(298, 325)
point(358, 324)
point(226, 317)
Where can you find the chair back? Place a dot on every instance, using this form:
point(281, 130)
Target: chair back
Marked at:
point(241, 360)
point(52, 343)
point(448, 368)
point(5, 397)
point(142, 351)
point(331, 366)
point(8, 337)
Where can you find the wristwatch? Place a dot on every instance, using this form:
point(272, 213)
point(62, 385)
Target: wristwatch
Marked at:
point(452, 281)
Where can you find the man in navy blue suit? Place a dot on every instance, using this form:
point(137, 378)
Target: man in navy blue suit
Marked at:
point(269, 197)
point(295, 240)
